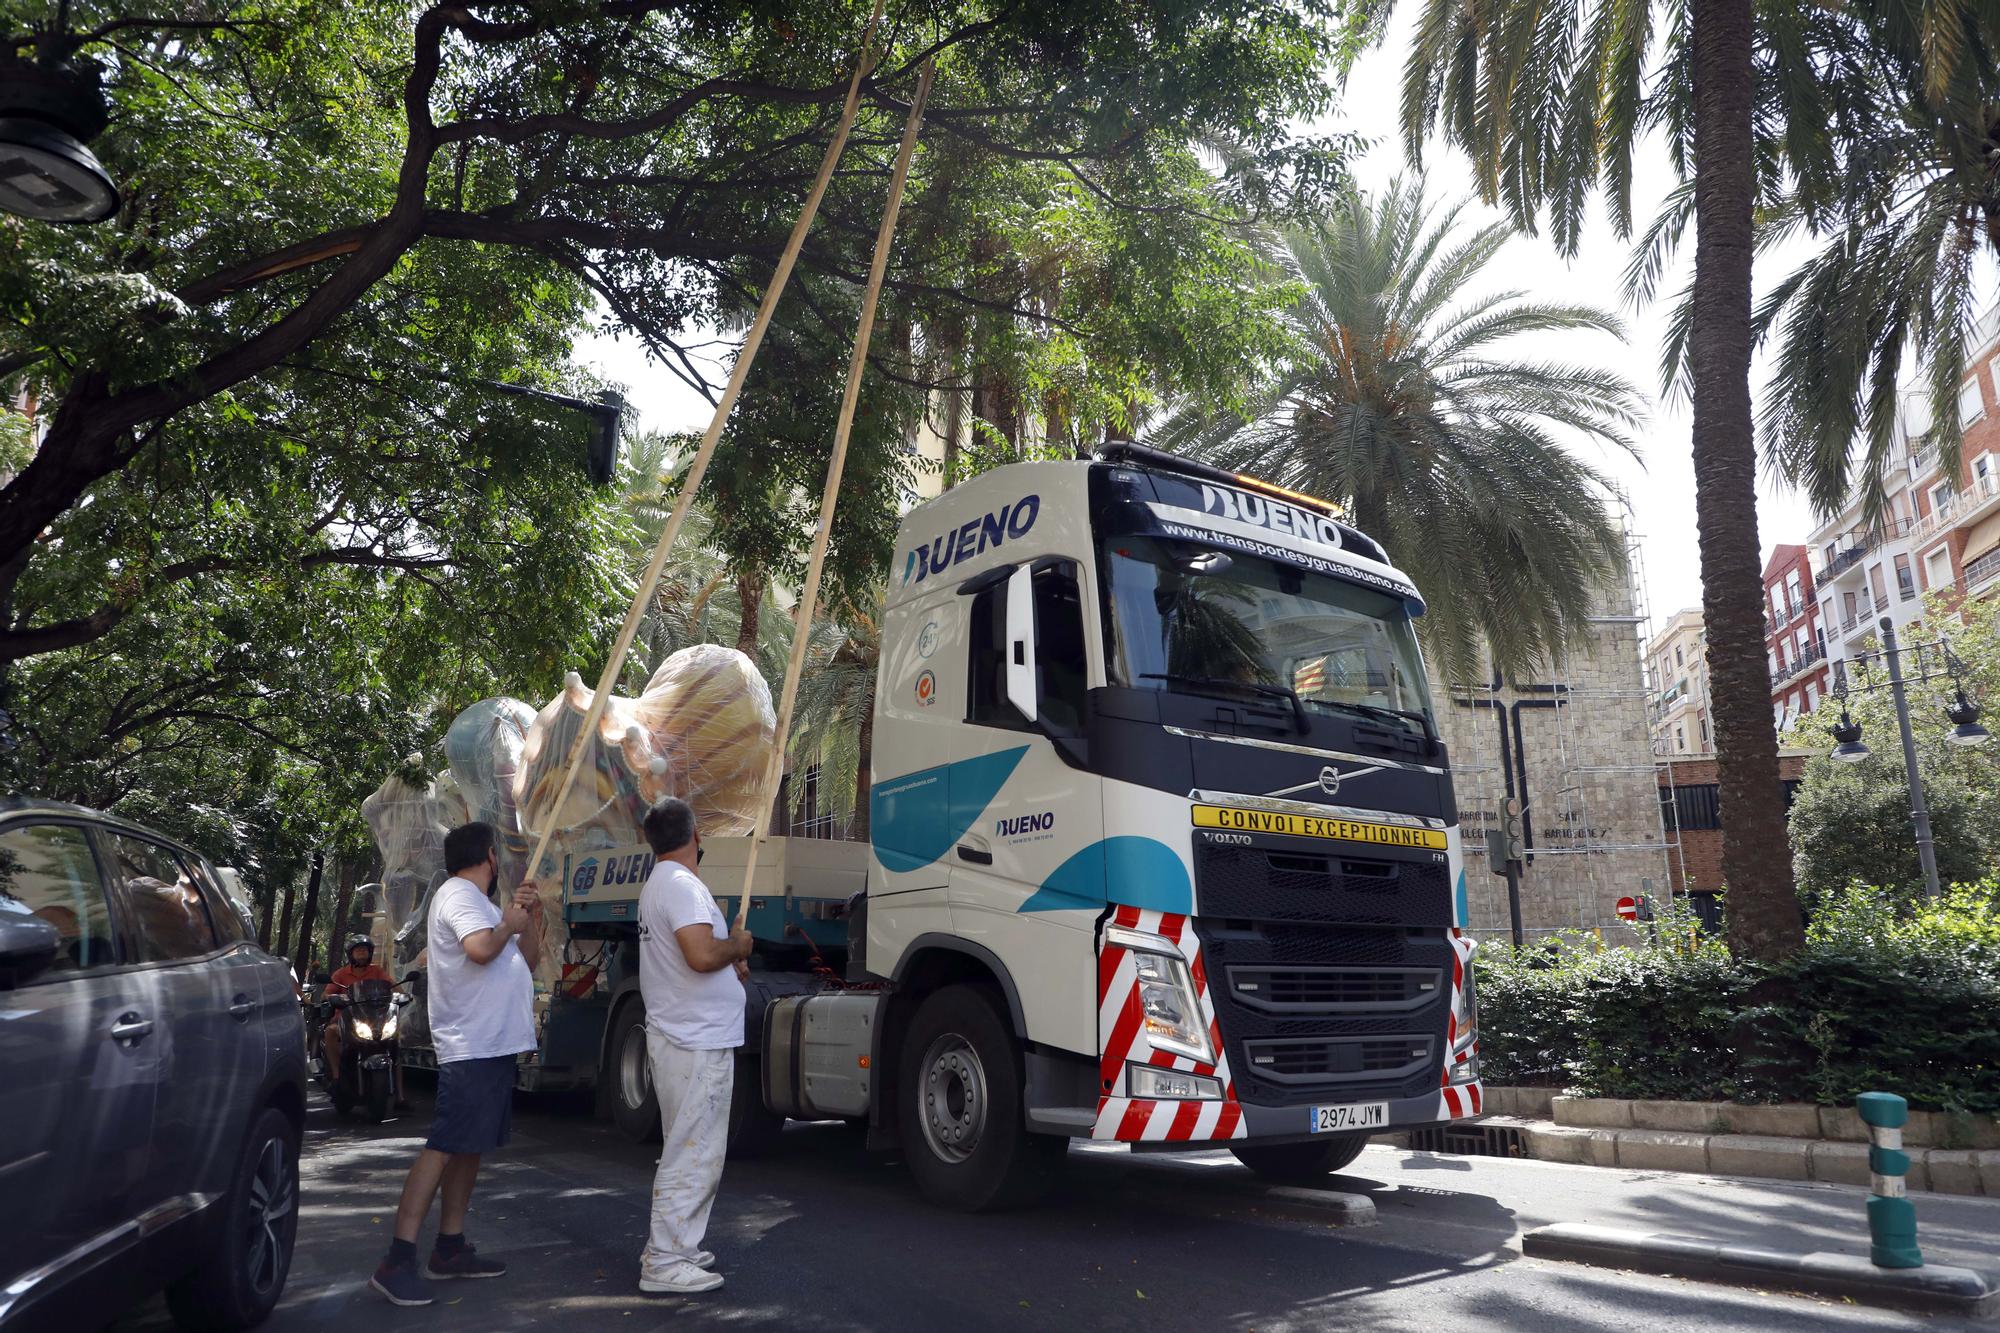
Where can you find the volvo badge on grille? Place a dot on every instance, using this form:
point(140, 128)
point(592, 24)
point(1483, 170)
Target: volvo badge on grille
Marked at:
point(1329, 780)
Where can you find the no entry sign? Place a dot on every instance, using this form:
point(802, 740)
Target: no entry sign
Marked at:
point(1628, 909)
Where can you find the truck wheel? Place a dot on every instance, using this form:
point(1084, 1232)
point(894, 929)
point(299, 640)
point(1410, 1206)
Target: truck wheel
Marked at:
point(243, 1272)
point(964, 1131)
point(1300, 1163)
point(753, 1126)
point(628, 1073)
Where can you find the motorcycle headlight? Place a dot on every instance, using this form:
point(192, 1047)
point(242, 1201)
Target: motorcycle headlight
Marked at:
point(390, 1024)
point(1169, 1014)
point(363, 1030)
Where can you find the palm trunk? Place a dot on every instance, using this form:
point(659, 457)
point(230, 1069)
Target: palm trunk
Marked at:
point(1764, 923)
point(750, 599)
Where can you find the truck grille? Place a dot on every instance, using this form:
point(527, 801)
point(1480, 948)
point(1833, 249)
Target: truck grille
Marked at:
point(1339, 1010)
point(1333, 989)
point(1263, 884)
point(1317, 1060)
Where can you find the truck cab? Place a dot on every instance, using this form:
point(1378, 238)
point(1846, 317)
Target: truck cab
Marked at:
point(1158, 799)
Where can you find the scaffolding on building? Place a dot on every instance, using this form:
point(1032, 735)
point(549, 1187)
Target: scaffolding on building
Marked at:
point(1598, 827)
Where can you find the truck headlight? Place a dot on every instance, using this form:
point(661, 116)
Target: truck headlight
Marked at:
point(1169, 1013)
point(1170, 1084)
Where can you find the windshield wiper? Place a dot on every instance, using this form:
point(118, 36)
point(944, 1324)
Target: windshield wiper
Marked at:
point(1247, 686)
point(1386, 714)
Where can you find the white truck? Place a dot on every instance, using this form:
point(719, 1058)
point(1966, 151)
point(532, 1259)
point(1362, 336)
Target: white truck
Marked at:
point(1163, 851)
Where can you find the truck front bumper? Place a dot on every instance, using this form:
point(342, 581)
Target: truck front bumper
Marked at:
point(1144, 1120)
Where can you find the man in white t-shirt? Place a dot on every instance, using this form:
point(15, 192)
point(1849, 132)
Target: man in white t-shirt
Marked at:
point(691, 970)
point(481, 989)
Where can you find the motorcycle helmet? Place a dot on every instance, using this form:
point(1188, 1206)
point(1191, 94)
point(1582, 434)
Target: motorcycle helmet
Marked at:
point(360, 942)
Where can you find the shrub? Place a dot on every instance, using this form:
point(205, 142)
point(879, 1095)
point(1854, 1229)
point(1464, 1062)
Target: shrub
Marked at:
point(1906, 1003)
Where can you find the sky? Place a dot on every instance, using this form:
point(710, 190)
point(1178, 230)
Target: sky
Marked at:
point(1658, 487)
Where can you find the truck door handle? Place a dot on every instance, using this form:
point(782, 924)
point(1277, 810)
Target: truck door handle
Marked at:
point(240, 1010)
point(974, 855)
point(130, 1027)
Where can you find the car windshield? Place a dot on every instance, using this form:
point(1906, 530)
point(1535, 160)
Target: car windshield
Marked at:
point(1191, 620)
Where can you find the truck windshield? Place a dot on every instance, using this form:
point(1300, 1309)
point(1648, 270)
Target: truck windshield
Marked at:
point(1195, 621)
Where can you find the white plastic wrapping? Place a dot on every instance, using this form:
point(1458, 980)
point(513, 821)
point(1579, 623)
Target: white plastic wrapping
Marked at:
point(407, 822)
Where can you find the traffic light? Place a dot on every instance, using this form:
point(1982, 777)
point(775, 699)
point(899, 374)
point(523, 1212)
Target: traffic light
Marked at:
point(1513, 838)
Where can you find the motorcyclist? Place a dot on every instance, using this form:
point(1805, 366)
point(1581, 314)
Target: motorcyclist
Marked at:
point(360, 967)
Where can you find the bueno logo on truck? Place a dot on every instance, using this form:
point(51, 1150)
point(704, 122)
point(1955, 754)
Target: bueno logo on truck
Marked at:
point(1261, 511)
point(631, 869)
point(1022, 825)
point(973, 537)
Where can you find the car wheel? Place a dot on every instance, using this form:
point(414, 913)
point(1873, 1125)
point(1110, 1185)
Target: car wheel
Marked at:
point(963, 1127)
point(243, 1275)
point(753, 1126)
point(1297, 1163)
point(628, 1073)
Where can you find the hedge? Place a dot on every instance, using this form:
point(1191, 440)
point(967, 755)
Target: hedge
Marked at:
point(1883, 997)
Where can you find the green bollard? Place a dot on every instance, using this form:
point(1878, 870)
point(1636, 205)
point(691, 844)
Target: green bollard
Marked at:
point(1892, 1218)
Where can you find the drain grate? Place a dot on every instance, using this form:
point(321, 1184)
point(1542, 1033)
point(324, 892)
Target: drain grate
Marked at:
point(1473, 1140)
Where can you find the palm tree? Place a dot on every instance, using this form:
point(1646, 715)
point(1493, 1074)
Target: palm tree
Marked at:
point(1897, 276)
point(1405, 403)
point(1549, 98)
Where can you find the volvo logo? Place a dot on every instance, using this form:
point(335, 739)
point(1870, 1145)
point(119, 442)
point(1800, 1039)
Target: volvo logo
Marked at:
point(1329, 780)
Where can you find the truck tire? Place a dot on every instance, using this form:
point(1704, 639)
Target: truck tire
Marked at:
point(753, 1127)
point(1300, 1163)
point(964, 1129)
point(628, 1073)
point(243, 1271)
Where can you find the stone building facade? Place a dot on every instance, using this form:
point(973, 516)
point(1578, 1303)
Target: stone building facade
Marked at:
point(1575, 747)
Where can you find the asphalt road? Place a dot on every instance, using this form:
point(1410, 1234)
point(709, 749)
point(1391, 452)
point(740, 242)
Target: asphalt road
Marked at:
point(822, 1236)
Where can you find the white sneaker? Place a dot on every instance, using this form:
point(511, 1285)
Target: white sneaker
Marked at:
point(703, 1259)
point(678, 1279)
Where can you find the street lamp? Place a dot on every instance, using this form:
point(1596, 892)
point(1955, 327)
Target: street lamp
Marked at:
point(49, 108)
point(1966, 714)
point(1848, 748)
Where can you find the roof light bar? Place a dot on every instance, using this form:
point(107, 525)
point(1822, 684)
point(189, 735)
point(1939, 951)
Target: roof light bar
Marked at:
point(1143, 456)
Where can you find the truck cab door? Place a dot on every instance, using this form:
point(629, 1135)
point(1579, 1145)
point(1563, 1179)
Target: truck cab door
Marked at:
point(1026, 875)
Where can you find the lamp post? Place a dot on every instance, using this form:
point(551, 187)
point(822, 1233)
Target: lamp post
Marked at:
point(1963, 712)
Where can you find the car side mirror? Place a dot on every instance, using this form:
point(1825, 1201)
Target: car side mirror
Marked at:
point(28, 945)
point(1021, 643)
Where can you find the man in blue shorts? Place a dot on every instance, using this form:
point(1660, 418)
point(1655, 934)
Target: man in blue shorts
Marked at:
point(482, 1014)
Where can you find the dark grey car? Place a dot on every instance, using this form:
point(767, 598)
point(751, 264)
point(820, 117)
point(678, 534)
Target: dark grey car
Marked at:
point(152, 1081)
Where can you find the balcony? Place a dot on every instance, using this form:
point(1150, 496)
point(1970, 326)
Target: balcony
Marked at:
point(1961, 509)
point(1982, 570)
point(1811, 658)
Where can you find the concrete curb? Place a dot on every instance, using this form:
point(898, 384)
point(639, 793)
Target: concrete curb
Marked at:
point(1756, 1156)
point(1935, 1289)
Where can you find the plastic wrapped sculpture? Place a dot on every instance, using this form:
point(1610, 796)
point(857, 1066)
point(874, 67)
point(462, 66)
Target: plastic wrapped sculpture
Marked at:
point(409, 832)
point(708, 714)
point(483, 746)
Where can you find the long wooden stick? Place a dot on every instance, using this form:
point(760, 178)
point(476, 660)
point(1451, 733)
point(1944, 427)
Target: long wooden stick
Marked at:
point(650, 579)
point(802, 616)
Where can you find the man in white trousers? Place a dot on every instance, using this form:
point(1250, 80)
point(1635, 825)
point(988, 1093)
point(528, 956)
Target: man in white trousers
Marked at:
point(691, 970)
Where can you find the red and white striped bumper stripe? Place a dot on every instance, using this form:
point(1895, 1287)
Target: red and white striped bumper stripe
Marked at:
point(1457, 1103)
point(1140, 1119)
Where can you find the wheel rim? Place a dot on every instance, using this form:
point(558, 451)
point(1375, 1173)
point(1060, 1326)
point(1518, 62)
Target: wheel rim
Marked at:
point(274, 1198)
point(954, 1098)
point(635, 1069)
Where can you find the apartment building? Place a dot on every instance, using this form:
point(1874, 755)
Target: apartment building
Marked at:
point(1794, 638)
point(1677, 681)
point(1939, 532)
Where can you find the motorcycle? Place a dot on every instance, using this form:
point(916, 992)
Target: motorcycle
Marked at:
point(370, 1014)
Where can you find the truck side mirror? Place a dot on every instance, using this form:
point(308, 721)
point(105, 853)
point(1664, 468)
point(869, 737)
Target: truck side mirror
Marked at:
point(1021, 643)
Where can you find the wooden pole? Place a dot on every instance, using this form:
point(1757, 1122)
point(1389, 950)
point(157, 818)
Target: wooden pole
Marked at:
point(802, 615)
point(650, 579)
